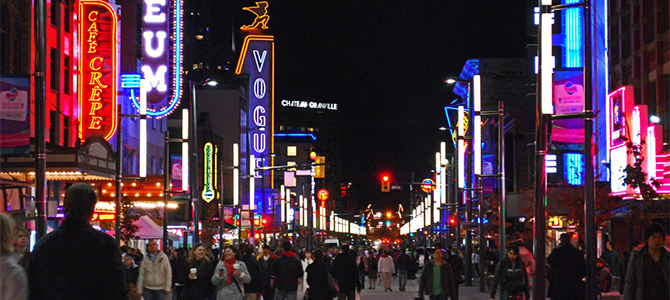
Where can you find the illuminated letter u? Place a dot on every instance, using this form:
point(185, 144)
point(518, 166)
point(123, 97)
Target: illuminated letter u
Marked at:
point(160, 47)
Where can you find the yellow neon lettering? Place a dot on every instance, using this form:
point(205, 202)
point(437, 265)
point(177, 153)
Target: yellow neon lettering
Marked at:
point(92, 36)
point(92, 63)
point(95, 106)
point(95, 79)
point(91, 16)
point(95, 123)
point(96, 94)
point(93, 47)
point(93, 27)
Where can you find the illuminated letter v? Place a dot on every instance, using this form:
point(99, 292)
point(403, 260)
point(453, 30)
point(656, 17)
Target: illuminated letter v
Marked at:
point(260, 60)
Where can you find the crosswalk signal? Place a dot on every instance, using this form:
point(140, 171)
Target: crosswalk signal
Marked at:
point(386, 184)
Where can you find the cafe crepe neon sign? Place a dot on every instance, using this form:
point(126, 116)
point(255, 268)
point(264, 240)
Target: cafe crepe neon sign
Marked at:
point(97, 64)
point(210, 170)
point(156, 56)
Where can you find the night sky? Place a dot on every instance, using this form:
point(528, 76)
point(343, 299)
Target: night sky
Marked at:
point(384, 63)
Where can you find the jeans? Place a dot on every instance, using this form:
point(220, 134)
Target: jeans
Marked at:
point(442, 296)
point(387, 279)
point(348, 295)
point(361, 277)
point(402, 279)
point(286, 295)
point(153, 294)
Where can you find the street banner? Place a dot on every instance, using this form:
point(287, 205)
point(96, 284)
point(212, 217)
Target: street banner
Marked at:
point(14, 116)
point(568, 134)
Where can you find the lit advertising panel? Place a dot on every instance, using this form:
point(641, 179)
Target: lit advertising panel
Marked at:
point(568, 99)
point(97, 66)
point(162, 55)
point(257, 60)
point(14, 116)
point(619, 113)
point(210, 172)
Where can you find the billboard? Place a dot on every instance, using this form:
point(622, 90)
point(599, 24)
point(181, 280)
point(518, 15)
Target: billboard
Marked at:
point(568, 99)
point(14, 116)
point(97, 67)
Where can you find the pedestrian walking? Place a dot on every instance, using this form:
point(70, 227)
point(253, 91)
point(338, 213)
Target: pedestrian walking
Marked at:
point(254, 289)
point(317, 278)
point(512, 276)
point(404, 263)
point(287, 273)
point(566, 270)
point(180, 270)
point(196, 275)
point(475, 262)
point(373, 268)
point(526, 257)
point(13, 278)
point(155, 279)
point(132, 272)
point(76, 261)
point(21, 246)
point(265, 261)
point(345, 272)
point(437, 279)
point(611, 258)
point(603, 277)
point(362, 263)
point(305, 260)
point(456, 262)
point(648, 268)
point(229, 275)
point(386, 267)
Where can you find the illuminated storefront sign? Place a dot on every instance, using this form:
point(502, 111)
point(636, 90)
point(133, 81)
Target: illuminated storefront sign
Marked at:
point(262, 18)
point(257, 60)
point(309, 104)
point(210, 170)
point(162, 55)
point(427, 185)
point(619, 120)
point(322, 194)
point(97, 66)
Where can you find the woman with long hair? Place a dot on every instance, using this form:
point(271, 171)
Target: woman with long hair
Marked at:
point(317, 278)
point(230, 274)
point(197, 284)
point(13, 278)
point(512, 276)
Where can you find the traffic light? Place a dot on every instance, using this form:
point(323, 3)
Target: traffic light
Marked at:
point(386, 184)
point(452, 221)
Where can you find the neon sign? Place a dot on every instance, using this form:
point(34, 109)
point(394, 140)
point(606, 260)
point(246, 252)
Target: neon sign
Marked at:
point(257, 60)
point(262, 18)
point(427, 185)
point(208, 191)
point(322, 194)
point(164, 95)
point(619, 113)
point(97, 64)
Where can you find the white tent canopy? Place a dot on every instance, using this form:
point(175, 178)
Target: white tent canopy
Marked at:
point(148, 229)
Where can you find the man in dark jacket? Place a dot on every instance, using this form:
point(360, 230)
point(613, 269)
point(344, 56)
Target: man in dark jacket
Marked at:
point(76, 261)
point(442, 287)
point(647, 273)
point(566, 270)
point(255, 287)
point(345, 273)
point(456, 263)
point(265, 262)
point(403, 265)
point(287, 272)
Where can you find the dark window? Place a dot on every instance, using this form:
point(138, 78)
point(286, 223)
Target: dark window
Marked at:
point(67, 76)
point(66, 17)
point(54, 69)
point(53, 127)
point(66, 131)
point(55, 12)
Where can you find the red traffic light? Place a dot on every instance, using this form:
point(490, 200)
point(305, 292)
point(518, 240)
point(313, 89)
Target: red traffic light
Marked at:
point(452, 220)
point(385, 178)
point(386, 184)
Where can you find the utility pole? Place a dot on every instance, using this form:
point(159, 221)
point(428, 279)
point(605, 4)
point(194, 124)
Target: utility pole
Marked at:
point(40, 119)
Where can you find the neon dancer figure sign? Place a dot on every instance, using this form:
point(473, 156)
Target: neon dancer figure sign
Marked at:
point(97, 64)
point(161, 55)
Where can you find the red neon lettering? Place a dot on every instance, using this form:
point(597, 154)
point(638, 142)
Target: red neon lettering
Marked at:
point(95, 122)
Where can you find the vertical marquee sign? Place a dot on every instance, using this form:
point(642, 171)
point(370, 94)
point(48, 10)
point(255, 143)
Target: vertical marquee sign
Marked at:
point(257, 60)
point(97, 65)
point(210, 172)
point(619, 125)
point(162, 55)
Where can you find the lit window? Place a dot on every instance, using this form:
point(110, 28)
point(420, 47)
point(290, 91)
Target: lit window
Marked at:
point(290, 163)
point(291, 150)
point(199, 37)
point(218, 67)
point(195, 66)
point(310, 129)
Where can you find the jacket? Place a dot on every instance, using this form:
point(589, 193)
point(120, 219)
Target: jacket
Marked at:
point(502, 274)
point(155, 274)
point(633, 288)
point(286, 270)
point(345, 272)
point(254, 268)
point(266, 267)
point(446, 276)
point(199, 288)
point(386, 264)
point(567, 267)
point(317, 278)
point(76, 260)
point(229, 291)
point(13, 279)
point(456, 263)
point(403, 262)
point(305, 263)
point(612, 260)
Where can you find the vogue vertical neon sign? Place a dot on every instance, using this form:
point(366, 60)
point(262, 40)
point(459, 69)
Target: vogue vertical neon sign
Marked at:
point(162, 55)
point(97, 64)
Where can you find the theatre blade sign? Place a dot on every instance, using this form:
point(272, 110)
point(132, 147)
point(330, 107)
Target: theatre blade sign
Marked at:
point(97, 66)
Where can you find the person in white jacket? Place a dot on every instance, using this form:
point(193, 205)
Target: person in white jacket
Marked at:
point(305, 261)
point(13, 278)
point(155, 278)
point(386, 267)
point(230, 275)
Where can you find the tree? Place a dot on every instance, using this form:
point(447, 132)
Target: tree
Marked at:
point(636, 178)
point(128, 218)
point(209, 225)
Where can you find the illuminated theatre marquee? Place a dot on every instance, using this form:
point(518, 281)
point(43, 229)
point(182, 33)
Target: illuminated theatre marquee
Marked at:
point(161, 59)
point(97, 64)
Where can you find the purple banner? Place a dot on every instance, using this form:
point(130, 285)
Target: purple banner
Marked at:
point(175, 172)
point(568, 99)
point(14, 116)
point(488, 168)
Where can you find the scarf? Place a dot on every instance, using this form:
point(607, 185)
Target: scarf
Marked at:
point(385, 255)
point(288, 254)
point(229, 263)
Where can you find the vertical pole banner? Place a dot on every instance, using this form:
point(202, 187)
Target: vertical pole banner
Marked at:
point(14, 116)
point(97, 67)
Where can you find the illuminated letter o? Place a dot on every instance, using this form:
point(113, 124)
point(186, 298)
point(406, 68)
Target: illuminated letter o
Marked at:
point(259, 88)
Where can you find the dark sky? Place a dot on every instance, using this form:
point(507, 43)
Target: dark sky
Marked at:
point(384, 63)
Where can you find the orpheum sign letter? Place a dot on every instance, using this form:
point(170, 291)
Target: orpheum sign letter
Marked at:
point(97, 65)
